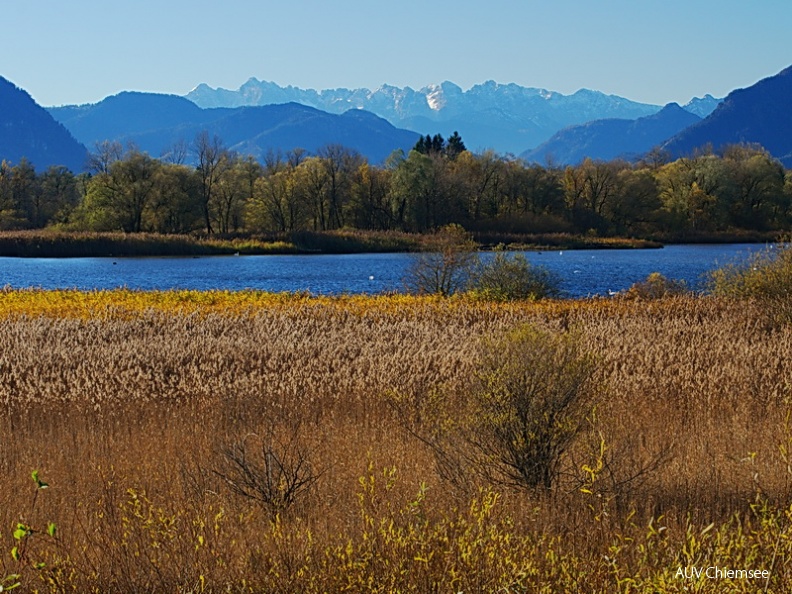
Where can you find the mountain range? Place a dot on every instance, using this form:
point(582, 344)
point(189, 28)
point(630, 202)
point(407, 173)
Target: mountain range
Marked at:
point(505, 117)
point(758, 114)
point(155, 123)
point(27, 130)
point(612, 138)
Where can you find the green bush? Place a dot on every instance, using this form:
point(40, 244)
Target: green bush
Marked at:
point(532, 395)
point(766, 278)
point(766, 274)
point(656, 286)
point(508, 278)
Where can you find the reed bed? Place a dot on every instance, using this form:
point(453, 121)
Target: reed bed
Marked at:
point(142, 411)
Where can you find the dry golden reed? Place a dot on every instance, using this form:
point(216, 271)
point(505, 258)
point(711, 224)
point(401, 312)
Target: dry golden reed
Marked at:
point(129, 405)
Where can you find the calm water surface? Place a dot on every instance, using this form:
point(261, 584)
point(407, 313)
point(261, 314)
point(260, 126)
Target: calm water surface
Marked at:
point(582, 272)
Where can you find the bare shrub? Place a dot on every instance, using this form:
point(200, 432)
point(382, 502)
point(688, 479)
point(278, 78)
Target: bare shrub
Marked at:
point(273, 471)
point(445, 269)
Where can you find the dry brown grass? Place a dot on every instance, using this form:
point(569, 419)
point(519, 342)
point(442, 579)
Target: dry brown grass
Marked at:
point(130, 414)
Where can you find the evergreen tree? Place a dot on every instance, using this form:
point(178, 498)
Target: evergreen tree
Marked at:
point(454, 146)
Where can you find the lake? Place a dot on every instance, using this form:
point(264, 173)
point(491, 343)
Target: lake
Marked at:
point(582, 272)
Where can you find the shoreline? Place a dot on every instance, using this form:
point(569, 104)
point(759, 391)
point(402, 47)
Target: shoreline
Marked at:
point(60, 244)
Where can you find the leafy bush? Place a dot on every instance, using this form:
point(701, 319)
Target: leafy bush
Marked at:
point(766, 274)
point(765, 277)
point(528, 400)
point(656, 286)
point(533, 393)
point(507, 278)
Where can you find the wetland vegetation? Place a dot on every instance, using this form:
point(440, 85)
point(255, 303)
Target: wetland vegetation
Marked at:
point(248, 442)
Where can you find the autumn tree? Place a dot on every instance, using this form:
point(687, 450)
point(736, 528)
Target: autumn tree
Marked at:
point(481, 177)
point(696, 193)
point(447, 267)
point(105, 153)
point(635, 207)
point(529, 190)
point(212, 159)
point(26, 194)
point(427, 191)
point(339, 163)
point(311, 179)
point(232, 191)
point(758, 184)
point(10, 216)
point(121, 191)
point(589, 187)
point(370, 196)
point(176, 205)
point(58, 198)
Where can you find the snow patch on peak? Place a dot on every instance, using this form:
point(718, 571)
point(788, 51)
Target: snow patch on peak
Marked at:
point(435, 98)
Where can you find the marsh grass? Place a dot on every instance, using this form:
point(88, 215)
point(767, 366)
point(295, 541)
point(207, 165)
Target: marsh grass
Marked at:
point(126, 402)
point(62, 244)
point(52, 243)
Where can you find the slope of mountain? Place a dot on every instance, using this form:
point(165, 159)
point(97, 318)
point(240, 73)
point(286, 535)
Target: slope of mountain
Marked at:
point(612, 138)
point(757, 114)
point(27, 130)
point(155, 123)
point(504, 117)
point(126, 114)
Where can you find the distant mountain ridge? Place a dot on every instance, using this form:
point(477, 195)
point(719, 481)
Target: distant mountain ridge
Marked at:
point(757, 114)
point(156, 122)
point(27, 130)
point(702, 106)
point(505, 117)
point(613, 138)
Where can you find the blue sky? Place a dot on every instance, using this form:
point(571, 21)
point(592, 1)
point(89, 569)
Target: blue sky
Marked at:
point(645, 50)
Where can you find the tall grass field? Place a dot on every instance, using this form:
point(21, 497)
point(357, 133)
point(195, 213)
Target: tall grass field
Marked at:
point(187, 442)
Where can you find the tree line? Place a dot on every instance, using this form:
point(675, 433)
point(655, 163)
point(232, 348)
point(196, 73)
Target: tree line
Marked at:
point(437, 183)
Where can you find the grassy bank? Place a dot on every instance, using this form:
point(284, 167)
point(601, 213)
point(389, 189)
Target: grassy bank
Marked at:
point(141, 411)
point(737, 236)
point(563, 241)
point(57, 244)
